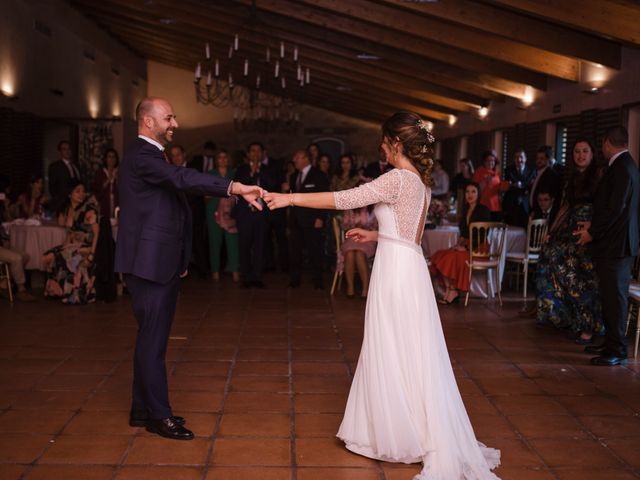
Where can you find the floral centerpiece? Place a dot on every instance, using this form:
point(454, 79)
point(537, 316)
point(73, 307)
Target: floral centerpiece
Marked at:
point(438, 210)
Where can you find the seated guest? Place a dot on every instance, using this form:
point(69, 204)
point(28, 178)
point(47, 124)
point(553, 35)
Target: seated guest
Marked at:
point(347, 176)
point(440, 179)
point(546, 208)
point(488, 178)
point(357, 254)
point(221, 226)
point(451, 264)
point(515, 204)
point(32, 202)
point(566, 284)
point(324, 165)
point(70, 266)
point(16, 261)
point(105, 185)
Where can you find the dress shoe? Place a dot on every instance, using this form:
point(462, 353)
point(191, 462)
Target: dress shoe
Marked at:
point(607, 360)
point(169, 429)
point(140, 420)
point(595, 349)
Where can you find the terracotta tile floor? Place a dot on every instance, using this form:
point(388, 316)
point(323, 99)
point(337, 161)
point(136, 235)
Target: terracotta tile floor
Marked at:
point(262, 378)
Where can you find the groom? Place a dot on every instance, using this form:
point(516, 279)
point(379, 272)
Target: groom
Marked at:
point(613, 232)
point(153, 251)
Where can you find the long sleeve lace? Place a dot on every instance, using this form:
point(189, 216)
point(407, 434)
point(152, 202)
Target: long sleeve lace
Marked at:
point(384, 189)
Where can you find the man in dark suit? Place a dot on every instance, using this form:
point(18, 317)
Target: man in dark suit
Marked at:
point(277, 248)
point(202, 163)
point(515, 204)
point(613, 234)
point(306, 224)
point(61, 173)
point(253, 224)
point(547, 178)
point(375, 169)
point(153, 250)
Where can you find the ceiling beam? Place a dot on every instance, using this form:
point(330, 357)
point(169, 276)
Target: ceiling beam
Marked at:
point(441, 36)
point(521, 28)
point(397, 40)
point(615, 19)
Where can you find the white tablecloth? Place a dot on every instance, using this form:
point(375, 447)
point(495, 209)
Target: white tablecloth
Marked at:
point(445, 237)
point(35, 240)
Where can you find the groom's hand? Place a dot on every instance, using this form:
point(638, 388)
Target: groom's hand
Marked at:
point(251, 193)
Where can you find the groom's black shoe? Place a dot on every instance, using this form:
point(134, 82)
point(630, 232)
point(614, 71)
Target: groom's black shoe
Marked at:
point(607, 360)
point(140, 419)
point(595, 349)
point(169, 429)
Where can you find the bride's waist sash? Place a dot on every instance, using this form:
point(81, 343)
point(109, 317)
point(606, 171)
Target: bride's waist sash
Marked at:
point(383, 238)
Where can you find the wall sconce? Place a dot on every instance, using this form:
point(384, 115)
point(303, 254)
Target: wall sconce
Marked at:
point(483, 111)
point(452, 120)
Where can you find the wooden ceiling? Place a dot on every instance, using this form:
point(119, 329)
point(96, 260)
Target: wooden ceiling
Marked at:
point(436, 57)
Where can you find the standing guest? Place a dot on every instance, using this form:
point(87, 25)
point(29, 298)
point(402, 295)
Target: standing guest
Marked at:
point(277, 247)
point(70, 266)
point(105, 186)
point(313, 150)
point(32, 202)
point(253, 223)
point(452, 264)
point(177, 156)
point(440, 178)
point(221, 226)
point(204, 163)
point(547, 178)
point(357, 254)
point(515, 203)
point(153, 251)
point(463, 178)
point(488, 178)
point(306, 225)
point(375, 169)
point(347, 176)
point(566, 284)
point(324, 165)
point(613, 232)
point(61, 174)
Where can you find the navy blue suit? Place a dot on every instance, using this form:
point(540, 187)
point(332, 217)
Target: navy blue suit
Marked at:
point(152, 250)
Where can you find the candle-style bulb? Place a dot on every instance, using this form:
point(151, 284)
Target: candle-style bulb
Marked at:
point(295, 54)
point(198, 71)
point(283, 82)
point(258, 81)
point(217, 68)
point(209, 80)
point(281, 49)
point(236, 42)
point(207, 51)
point(246, 67)
point(276, 70)
point(299, 74)
point(307, 76)
point(230, 52)
point(268, 55)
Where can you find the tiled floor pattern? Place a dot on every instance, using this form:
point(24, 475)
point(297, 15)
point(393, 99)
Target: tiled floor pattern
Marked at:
point(262, 378)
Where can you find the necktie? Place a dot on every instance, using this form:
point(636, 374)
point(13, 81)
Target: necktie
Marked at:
point(299, 182)
point(545, 215)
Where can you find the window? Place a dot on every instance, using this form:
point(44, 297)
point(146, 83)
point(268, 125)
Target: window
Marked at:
point(561, 143)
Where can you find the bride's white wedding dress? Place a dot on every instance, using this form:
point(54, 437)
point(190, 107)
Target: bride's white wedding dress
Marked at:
point(404, 404)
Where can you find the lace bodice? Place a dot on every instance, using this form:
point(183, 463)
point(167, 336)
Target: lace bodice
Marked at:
point(405, 194)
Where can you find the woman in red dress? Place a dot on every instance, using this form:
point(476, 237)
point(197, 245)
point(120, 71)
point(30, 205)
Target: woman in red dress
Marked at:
point(451, 264)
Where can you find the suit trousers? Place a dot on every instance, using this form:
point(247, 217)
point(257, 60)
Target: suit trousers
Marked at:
point(154, 305)
point(313, 239)
point(614, 275)
point(252, 232)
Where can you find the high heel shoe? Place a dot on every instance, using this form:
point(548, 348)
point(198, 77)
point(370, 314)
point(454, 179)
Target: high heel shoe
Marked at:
point(444, 301)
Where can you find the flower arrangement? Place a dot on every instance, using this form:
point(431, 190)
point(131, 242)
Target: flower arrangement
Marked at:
point(438, 209)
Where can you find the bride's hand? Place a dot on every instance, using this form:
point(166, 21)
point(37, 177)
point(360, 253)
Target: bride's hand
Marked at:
point(277, 200)
point(360, 235)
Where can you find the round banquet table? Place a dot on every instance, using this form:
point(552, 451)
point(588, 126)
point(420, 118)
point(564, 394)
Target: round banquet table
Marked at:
point(446, 236)
point(34, 240)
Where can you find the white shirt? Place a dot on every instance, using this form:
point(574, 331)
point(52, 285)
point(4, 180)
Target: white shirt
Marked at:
point(73, 170)
point(152, 142)
point(612, 159)
point(207, 164)
point(303, 173)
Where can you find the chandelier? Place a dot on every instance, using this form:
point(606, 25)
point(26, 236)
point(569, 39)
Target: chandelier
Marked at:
point(260, 90)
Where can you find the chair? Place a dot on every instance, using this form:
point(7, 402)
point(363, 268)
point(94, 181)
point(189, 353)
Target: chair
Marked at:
point(536, 231)
point(5, 273)
point(634, 301)
point(339, 236)
point(486, 241)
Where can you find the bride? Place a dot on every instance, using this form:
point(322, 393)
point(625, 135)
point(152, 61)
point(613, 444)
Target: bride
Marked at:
point(404, 404)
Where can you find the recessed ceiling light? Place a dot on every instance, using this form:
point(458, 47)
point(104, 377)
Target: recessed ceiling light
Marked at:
point(367, 56)
point(167, 21)
point(342, 88)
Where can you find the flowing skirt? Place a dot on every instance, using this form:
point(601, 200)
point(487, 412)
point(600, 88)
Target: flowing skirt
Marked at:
point(404, 404)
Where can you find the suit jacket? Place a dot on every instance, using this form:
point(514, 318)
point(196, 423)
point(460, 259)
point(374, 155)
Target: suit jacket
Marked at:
point(315, 181)
point(515, 203)
point(614, 226)
point(264, 178)
point(536, 214)
point(551, 182)
point(154, 228)
point(59, 178)
point(373, 170)
point(197, 163)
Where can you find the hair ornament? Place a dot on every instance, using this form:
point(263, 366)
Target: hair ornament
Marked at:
point(425, 148)
point(422, 125)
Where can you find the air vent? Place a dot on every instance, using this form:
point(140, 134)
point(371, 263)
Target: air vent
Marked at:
point(42, 28)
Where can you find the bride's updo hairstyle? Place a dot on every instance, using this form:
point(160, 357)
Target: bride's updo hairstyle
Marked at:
point(416, 139)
